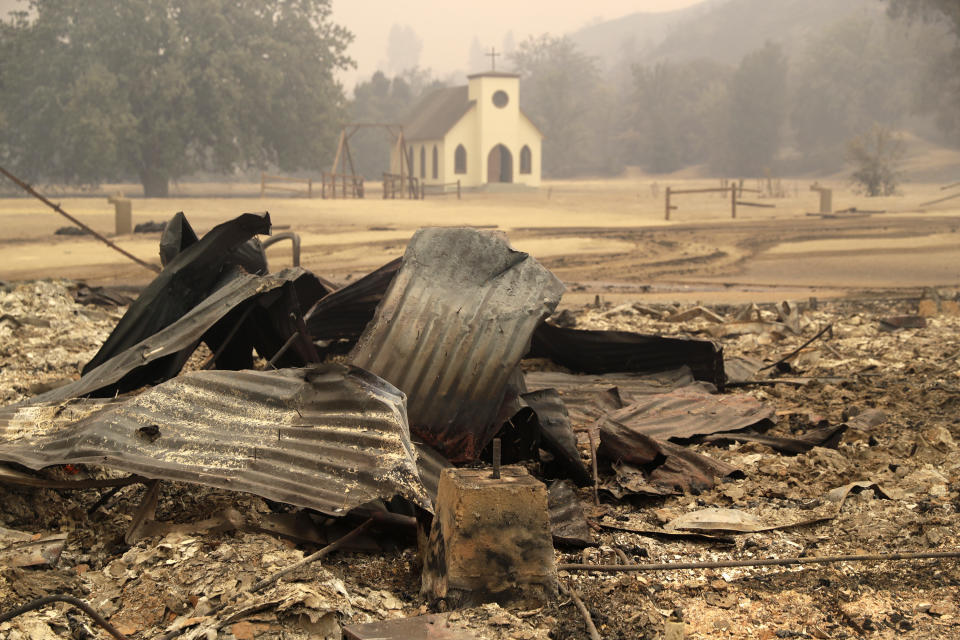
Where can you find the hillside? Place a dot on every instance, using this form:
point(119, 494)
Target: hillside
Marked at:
point(721, 30)
point(635, 35)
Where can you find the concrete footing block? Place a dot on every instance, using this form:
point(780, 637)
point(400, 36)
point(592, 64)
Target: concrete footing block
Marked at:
point(490, 540)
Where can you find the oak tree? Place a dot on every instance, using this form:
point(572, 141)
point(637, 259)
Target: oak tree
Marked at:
point(156, 89)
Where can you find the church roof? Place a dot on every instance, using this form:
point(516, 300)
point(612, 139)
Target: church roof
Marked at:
point(437, 113)
point(494, 74)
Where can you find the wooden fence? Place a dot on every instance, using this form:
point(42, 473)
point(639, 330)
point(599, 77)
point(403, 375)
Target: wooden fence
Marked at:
point(442, 189)
point(266, 181)
point(736, 191)
point(404, 186)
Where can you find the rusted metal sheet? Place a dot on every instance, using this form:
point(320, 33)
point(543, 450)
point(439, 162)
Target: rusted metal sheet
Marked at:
point(629, 385)
point(452, 327)
point(688, 412)
point(621, 351)
point(330, 437)
point(686, 471)
point(568, 523)
point(161, 355)
point(828, 437)
point(645, 465)
point(588, 398)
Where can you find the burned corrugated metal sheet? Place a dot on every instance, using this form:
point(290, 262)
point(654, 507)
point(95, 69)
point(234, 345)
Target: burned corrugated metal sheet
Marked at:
point(649, 466)
point(454, 323)
point(266, 326)
point(178, 235)
point(828, 437)
point(162, 355)
point(684, 413)
point(556, 433)
point(330, 437)
point(182, 284)
point(430, 464)
point(343, 314)
point(629, 385)
point(687, 471)
point(568, 523)
point(620, 351)
point(519, 437)
point(588, 398)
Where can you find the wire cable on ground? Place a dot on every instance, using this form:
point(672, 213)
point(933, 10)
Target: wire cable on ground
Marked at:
point(763, 562)
point(26, 187)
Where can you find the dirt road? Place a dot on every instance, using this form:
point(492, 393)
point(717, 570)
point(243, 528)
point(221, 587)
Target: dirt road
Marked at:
point(604, 238)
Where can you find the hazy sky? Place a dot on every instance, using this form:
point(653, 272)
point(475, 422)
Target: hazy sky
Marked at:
point(447, 27)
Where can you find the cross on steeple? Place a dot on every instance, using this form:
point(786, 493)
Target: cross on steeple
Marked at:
point(493, 58)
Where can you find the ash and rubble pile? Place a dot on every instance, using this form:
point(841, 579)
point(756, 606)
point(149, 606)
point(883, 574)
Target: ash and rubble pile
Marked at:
point(715, 432)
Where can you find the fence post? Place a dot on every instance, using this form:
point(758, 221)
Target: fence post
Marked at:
point(310, 188)
point(733, 201)
point(667, 217)
point(458, 189)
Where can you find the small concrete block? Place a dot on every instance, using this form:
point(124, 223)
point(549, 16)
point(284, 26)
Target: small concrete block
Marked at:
point(123, 215)
point(490, 540)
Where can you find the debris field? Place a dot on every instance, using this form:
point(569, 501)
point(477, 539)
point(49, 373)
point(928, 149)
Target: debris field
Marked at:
point(435, 451)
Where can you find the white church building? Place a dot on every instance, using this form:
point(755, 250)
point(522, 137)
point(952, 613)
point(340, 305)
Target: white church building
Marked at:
point(476, 134)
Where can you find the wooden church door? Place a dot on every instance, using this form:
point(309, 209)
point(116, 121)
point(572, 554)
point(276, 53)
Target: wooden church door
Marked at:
point(500, 165)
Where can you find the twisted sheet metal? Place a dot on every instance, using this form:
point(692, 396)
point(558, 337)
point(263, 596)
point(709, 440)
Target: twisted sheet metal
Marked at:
point(162, 354)
point(452, 327)
point(595, 352)
point(343, 314)
point(330, 437)
point(568, 522)
point(688, 412)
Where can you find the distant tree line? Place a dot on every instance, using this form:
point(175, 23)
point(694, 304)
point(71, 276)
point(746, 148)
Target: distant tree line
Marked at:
point(850, 86)
point(154, 90)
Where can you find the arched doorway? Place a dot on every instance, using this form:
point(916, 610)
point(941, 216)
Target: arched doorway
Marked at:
point(500, 165)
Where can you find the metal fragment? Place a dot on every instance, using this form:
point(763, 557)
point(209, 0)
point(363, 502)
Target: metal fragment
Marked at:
point(454, 323)
point(160, 356)
point(330, 437)
point(622, 351)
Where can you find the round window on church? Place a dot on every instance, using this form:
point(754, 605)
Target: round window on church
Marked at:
point(500, 99)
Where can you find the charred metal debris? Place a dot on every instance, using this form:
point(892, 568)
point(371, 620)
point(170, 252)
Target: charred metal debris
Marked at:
point(364, 402)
